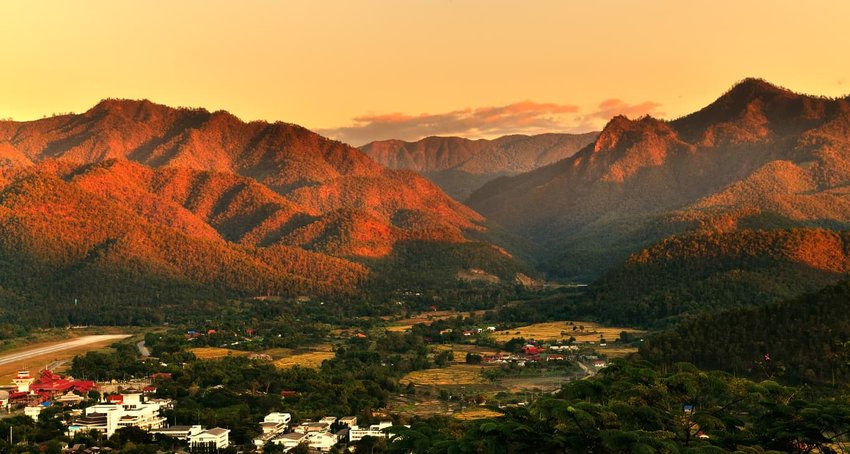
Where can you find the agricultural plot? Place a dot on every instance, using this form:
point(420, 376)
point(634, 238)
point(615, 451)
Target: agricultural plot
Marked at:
point(551, 331)
point(454, 375)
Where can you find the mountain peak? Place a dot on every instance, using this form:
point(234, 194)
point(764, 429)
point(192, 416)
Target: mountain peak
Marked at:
point(754, 88)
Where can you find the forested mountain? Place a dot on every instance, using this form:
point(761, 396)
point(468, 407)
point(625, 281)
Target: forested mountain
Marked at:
point(155, 202)
point(760, 156)
point(804, 339)
point(460, 166)
point(708, 271)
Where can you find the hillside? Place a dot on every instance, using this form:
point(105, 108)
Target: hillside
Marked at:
point(709, 271)
point(805, 339)
point(183, 203)
point(759, 156)
point(459, 166)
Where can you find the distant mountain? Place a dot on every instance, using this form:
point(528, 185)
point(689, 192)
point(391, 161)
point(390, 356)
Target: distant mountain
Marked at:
point(460, 166)
point(760, 156)
point(143, 192)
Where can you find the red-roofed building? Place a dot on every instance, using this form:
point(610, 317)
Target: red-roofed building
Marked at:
point(51, 384)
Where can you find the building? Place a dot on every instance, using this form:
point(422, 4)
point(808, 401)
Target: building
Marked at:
point(109, 417)
point(179, 432)
point(272, 425)
point(348, 421)
point(217, 437)
point(290, 440)
point(309, 427)
point(34, 410)
point(321, 441)
point(282, 418)
point(355, 433)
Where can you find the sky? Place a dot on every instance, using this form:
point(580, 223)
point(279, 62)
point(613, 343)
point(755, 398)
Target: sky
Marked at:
point(378, 69)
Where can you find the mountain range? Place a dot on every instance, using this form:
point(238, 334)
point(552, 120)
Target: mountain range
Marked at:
point(189, 197)
point(460, 166)
point(759, 157)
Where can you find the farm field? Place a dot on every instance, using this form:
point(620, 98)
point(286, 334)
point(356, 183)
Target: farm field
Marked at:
point(311, 359)
point(216, 352)
point(426, 318)
point(550, 331)
point(476, 413)
point(454, 375)
point(282, 357)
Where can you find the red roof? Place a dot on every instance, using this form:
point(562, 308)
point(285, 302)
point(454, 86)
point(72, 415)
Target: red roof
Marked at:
point(115, 399)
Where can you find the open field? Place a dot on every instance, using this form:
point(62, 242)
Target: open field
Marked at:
point(311, 359)
point(456, 374)
point(37, 356)
point(550, 331)
point(426, 318)
point(216, 352)
point(459, 351)
point(476, 413)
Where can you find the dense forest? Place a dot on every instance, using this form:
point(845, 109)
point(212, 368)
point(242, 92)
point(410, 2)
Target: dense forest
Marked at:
point(801, 340)
point(715, 270)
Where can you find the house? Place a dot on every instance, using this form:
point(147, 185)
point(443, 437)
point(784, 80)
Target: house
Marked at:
point(179, 432)
point(329, 420)
point(355, 433)
point(290, 440)
point(599, 363)
point(217, 437)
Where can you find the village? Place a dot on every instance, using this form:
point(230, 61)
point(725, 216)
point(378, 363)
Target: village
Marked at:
point(138, 408)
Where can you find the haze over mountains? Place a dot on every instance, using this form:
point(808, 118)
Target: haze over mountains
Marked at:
point(144, 191)
point(460, 166)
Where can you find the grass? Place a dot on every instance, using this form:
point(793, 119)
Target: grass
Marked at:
point(206, 353)
point(468, 414)
point(551, 331)
point(426, 318)
point(283, 357)
point(312, 359)
point(456, 374)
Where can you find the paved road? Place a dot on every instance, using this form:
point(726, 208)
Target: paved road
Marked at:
point(67, 345)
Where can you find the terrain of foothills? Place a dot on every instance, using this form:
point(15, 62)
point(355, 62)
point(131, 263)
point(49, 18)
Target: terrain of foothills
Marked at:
point(659, 286)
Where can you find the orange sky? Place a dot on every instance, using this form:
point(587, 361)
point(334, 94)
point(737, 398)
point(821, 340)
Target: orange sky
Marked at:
point(367, 69)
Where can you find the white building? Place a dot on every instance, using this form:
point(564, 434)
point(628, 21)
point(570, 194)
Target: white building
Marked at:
point(273, 424)
point(290, 440)
point(217, 437)
point(375, 431)
point(348, 421)
point(179, 432)
point(322, 441)
point(33, 411)
point(108, 418)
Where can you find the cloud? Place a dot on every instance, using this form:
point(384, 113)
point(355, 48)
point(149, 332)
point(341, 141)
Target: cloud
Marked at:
point(525, 117)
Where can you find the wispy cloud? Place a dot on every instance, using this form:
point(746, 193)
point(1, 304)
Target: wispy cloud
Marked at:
point(525, 117)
